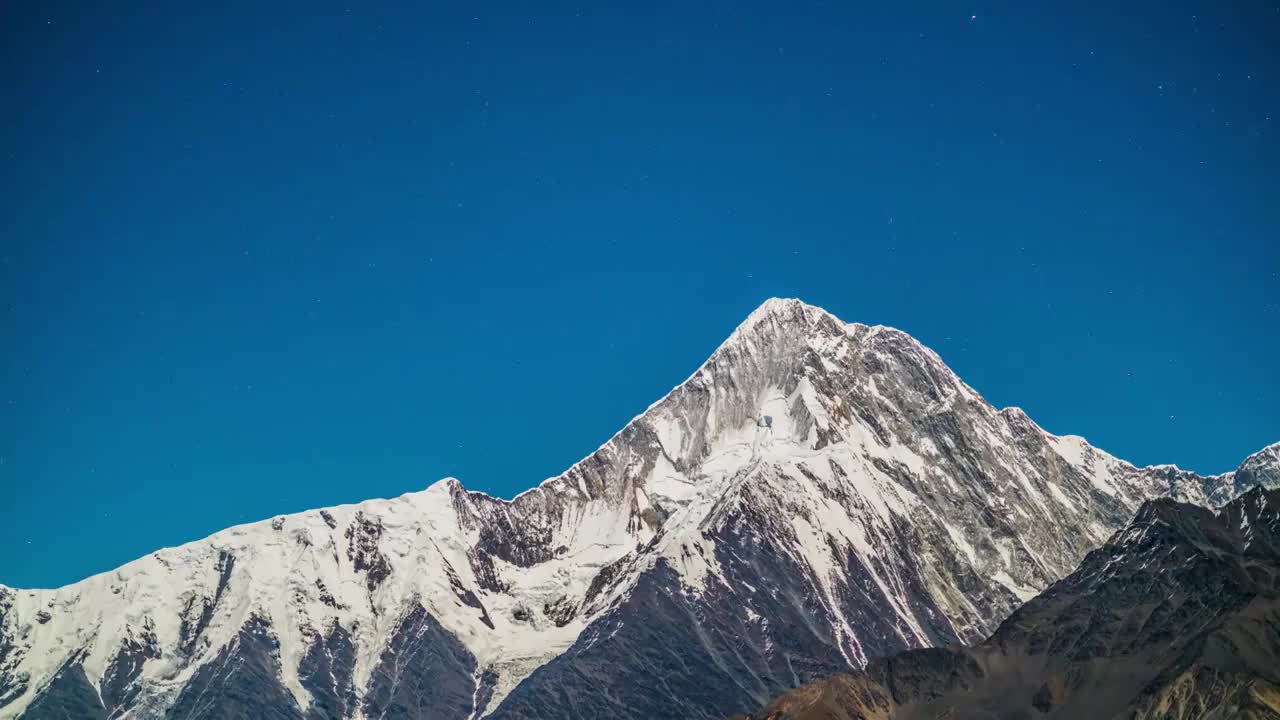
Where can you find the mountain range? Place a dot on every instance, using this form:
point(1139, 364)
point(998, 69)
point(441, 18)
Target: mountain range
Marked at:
point(816, 496)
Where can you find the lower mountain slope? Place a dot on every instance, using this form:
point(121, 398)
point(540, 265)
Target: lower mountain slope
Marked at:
point(1176, 617)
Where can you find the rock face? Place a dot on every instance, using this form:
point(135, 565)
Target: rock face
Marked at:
point(816, 495)
point(1177, 616)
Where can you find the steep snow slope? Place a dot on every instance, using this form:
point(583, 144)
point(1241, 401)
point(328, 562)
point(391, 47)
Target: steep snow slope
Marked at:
point(815, 495)
point(1176, 616)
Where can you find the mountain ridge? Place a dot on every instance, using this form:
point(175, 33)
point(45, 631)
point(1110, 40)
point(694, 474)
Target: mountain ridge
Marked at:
point(851, 452)
point(770, 305)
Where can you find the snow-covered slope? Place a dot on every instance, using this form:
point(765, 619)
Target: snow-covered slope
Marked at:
point(815, 495)
point(1176, 616)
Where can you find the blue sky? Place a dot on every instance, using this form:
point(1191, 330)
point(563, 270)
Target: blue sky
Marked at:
point(257, 260)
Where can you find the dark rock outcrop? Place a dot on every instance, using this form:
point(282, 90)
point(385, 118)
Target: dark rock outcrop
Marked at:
point(424, 673)
point(242, 681)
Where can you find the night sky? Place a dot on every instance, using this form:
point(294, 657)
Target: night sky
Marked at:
point(258, 260)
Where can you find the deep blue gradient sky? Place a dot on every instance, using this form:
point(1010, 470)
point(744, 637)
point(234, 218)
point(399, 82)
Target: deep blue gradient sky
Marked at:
point(257, 260)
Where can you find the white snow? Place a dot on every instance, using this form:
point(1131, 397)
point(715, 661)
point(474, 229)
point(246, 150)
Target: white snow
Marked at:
point(1024, 593)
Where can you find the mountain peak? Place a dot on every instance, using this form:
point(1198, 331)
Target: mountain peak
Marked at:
point(781, 311)
point(781, 304)
point(806, 458)
point(1262, 467)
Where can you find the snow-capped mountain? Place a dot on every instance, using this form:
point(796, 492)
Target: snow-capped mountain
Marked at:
point(817, 494)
